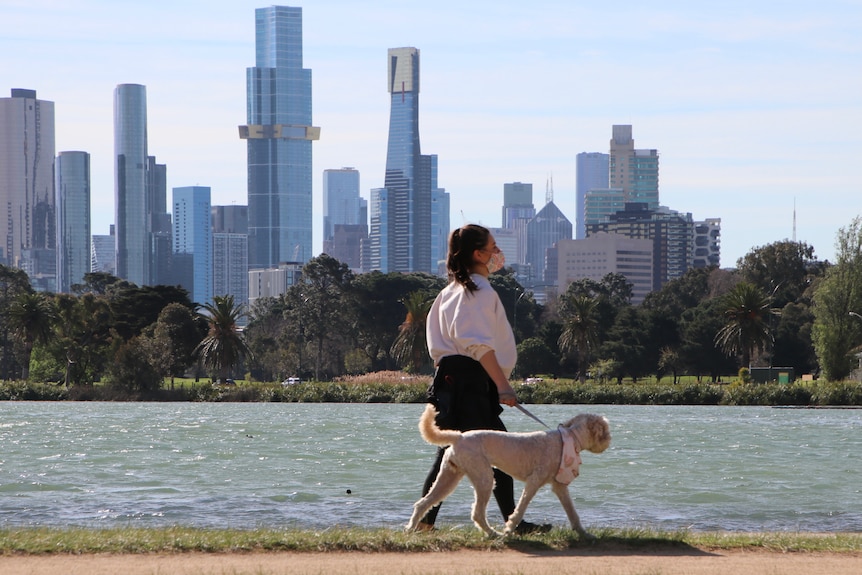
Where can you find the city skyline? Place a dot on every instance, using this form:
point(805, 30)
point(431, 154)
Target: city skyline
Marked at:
point(752, 108)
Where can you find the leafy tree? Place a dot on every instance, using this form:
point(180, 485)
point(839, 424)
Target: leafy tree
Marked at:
point(836, 331)
point(628, 345)
point(534, 356)
point(793, 344)
point(783, 269)
point(13, 282)
point(747, 311)
point(324, 308)
point(135, 308)
point(132, 368)
point(377, 298)
point(267, 336)
point(83, 336)
point(174, 338)
point(698, 350)
point(410, 348)
point(31, 316)
point(670, 360)
point(223, 347)
point(580, 328)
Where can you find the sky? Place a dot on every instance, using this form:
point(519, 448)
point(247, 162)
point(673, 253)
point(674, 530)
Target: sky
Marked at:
point(755, 108)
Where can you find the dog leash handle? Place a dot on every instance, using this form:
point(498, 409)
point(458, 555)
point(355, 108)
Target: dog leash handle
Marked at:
point(526, 412)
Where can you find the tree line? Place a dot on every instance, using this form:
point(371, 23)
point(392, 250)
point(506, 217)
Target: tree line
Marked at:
point(780, 306)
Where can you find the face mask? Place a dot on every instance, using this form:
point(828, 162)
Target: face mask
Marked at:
point(496, 263)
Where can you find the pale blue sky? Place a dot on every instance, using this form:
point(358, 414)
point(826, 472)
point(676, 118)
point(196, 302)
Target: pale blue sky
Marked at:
point(750, 104)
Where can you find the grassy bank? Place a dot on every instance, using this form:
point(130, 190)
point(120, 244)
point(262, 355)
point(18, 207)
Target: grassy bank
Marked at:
point(369, 389)
point(182, 540)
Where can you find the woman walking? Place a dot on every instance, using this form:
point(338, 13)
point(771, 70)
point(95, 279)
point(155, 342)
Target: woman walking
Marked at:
point(473, 349)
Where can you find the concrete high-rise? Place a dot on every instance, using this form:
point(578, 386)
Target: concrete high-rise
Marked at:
point(131, 201)
point(518, 210)
point(632, 170)
point(591, 173)
point(279, 135)
point(73, 218)
point(230, 252)
point(548, 227)
point(27, 208)
point(192, 259)
point(400, 212)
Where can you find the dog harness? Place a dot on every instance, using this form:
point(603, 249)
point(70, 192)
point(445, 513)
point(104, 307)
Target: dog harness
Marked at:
point(570, 459)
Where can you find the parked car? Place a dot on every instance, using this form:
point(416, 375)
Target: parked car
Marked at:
point(291, 381)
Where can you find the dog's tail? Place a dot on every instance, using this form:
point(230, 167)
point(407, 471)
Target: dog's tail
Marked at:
point(433, 434)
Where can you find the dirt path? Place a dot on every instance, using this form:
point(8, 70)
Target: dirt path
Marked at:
point(686, 562)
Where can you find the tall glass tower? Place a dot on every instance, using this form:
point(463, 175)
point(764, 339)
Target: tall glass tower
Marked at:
point(279, 135)
point(401, 223)
point(131, 201)
point(193, 242)
point(27, 218)
point(73, 218)
point(591, 174)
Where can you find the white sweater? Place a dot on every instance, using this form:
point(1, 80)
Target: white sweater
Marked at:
point(471, 324)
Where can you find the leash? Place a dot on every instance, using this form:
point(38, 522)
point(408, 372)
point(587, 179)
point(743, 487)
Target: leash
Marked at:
point(526, 412)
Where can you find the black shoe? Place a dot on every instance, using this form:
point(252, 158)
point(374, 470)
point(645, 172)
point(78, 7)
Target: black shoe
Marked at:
point(525, 528)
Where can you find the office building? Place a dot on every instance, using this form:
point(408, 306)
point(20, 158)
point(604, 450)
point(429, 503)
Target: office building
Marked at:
point(272, 282)
point(341, 201)
point(278, 138)
point(161, 230)
point(440, 226)
point(345, 216)
point(601, 203)
point(603, 253)
point(670, 232)
point(591, 173)
point(72, 186)
point(400, 213)
point(193, 268)
point(518, 210)
point(635, 171)
point(706, 251)
point(27, 203)
point(131, 201)
point(230, 252)
point(548, 227)
point(103, 257)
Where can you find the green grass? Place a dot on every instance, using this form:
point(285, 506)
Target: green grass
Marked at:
point(78, 541)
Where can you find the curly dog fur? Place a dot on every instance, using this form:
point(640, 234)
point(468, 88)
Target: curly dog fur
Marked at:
point(533, 458)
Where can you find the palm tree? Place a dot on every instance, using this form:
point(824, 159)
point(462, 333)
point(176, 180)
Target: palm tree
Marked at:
point(409, 348)
point(747, 310)
point(580, 329)
point(32, 318)
point(223, 347)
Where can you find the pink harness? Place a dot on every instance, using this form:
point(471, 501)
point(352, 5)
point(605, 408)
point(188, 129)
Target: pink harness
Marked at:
point(570, 459)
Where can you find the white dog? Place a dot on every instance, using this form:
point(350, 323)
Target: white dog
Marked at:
point(535, 458)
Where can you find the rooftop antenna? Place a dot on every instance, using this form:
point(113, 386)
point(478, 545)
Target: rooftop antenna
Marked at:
point(549, 189)
point(463, 218)
point(794, 219)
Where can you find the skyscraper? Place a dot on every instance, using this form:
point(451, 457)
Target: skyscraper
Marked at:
point(400, 213)
point(27, 217)
point(547, 228)
point(341, 201)
point(230, 252)
point(439, 222)
point(634, 171)
point(193, 242)
point(73, 218)
point(279, 135)
point(518, 210)
point(131, 203)
point(591, 173)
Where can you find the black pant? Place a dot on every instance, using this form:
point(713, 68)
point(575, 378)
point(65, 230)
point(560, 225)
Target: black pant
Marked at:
point(466, 399)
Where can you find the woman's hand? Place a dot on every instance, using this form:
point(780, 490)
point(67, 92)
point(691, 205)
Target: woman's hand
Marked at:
point(508, 398)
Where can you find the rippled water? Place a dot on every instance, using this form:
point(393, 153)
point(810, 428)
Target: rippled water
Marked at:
point(246, 465)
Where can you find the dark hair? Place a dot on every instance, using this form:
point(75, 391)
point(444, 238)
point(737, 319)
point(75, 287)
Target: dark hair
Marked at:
point(463, 242)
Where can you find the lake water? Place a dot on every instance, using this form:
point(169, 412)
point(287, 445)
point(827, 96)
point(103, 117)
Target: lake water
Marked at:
point(247, 465)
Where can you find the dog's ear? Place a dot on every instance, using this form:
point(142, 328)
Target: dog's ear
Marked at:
point(600, 431)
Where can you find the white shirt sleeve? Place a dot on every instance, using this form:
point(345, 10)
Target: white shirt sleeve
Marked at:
point(470, 324)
